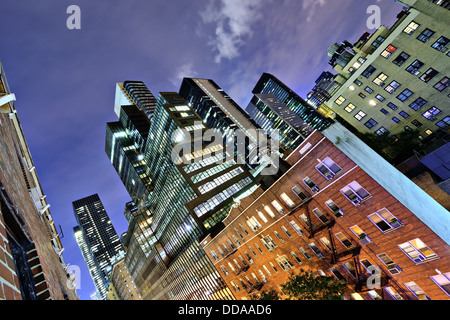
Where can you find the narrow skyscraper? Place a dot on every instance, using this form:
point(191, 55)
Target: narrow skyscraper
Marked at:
point(98, 240)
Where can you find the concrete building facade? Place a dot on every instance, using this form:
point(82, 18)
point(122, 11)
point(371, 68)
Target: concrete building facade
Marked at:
point(396, 79)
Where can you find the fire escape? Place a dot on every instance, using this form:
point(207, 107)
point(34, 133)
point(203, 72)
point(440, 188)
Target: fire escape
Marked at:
point(323, 224)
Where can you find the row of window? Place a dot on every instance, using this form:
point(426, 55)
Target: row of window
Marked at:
point(415, 249)
point(440, 44)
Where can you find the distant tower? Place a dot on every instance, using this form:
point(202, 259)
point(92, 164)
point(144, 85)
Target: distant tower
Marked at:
point(97, 239)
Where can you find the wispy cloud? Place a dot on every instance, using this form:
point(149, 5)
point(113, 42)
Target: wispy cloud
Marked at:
point(233, 20)
point(310, 6)
point(185, 70)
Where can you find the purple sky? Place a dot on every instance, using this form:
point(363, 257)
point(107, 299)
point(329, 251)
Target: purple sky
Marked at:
point(64, 80)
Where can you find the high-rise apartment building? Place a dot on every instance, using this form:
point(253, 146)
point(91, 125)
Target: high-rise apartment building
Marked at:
point(32, 266)
point(396, 79)
point(98, 240)
point(340, 211)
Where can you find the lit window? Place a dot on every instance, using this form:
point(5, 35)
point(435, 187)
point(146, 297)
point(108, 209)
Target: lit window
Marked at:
point(340, 100)
point(443, 281)
point(380, 97)
point(288, 200)
point(328, 168)
point(395, 119)
point(388, 51)
point(350, 107)
point(355, 193)
point(412, 26)
point(263, 218)
point(269, 211)
point(277, 206)
point(414, 288)
point(431, 113)
point(417, 251)
point(379, 80)
point(368, 89)
point(381, 131)
point(384, 220)
point(391, 87)
point(362, 236)
point(360, 115)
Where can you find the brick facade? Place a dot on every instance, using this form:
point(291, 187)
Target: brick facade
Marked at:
point(30, 248)
point(339, 231)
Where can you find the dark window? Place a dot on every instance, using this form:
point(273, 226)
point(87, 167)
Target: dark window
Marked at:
point(442, 84)
point(416, 123)
point(368, 72)
point(440, 44)
point(444, 123)
point(414, 67)
point(401, 58)
point(403, 114)
point(370, 123)
point(392, 106)
point(384, 111)
point(418, 103)
point(428, 75)
point(404, 95)
point(425, 35)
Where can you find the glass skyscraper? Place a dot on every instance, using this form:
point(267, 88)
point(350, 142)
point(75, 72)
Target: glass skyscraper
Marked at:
point(97, 239)
point(276, 104)
point(188, 199)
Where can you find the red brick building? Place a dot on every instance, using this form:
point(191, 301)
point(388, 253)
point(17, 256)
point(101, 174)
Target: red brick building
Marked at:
point(327, 215)
point(31, 261)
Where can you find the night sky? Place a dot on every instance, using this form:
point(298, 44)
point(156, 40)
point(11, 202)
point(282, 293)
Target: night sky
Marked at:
point(64, 80)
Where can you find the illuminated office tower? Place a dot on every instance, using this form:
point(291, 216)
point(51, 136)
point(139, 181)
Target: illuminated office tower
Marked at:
point(306, 118)
point(272, 114)
point(98, 240)
point(220, 112)
point(125, 143)
point(187, 201)
point(134, 93)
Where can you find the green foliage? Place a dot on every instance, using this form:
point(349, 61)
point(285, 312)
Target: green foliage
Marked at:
point(393, 150)
point(267, 295)
point(307, 286)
